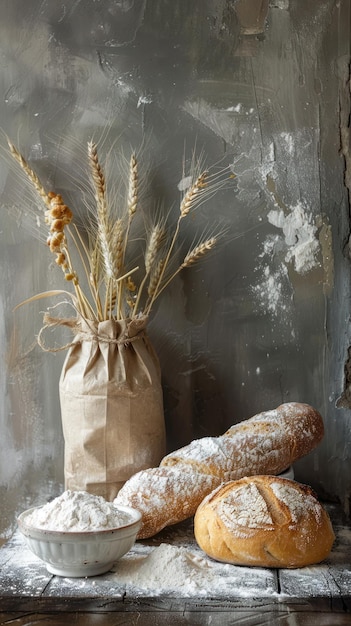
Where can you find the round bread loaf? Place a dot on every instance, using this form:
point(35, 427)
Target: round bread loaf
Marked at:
point(265, 521)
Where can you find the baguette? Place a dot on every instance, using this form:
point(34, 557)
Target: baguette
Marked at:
point(267, 443)
point(264, 521)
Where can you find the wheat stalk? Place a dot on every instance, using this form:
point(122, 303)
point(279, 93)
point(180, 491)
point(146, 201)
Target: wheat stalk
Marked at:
point(133, 185)
point(112, 290)
point(193, 193)
point(57, 216)
point(117, 242)
point(91, 272)
point(132, 205)
point(31, 175)
point(192, 257)
point(189, 201)
point(97, 173)
point(155, 243)
point(102, 212)
point(154, 281)
point(198, 252)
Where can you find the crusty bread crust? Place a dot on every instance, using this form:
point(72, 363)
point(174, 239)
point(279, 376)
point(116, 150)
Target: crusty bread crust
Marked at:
point(264, 521)
point(165, 496)
point(267, 443)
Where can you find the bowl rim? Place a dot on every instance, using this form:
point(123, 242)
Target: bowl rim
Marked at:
point(78, 534)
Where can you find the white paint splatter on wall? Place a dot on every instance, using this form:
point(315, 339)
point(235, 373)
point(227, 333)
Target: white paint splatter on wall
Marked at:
point(297, 244)
point(299, 233)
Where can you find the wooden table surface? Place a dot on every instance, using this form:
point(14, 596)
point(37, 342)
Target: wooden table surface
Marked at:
point(318, 595)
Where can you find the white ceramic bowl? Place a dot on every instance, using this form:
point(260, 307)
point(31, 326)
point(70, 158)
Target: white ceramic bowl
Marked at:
point(76, 554)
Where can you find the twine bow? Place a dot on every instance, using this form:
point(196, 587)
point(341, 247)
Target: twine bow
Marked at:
point(89, 333)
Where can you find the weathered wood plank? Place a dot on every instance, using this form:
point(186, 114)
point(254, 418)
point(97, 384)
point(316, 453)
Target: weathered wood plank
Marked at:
point(331, 579)
point(22, 574)
point(274, 615)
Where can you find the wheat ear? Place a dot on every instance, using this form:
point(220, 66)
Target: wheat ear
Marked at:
point(133, 185)
point(104, 227)
point(57, 216)
point(132, 205)
point(155, 242)
point(154, 279)
point(103, 224)
point(132, 199)
point(193, 193)
point(193, 256)
point(31, 175)
point(190, 199)
point(198, 252)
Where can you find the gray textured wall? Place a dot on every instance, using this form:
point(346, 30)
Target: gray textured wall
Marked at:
point(266, 318)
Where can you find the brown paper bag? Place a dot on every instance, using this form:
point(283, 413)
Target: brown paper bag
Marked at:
point(111, 406)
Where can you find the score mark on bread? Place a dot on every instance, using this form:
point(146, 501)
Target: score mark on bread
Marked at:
point(264, 521)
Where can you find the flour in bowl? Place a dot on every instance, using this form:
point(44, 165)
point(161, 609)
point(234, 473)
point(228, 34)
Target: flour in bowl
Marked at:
point(78, 511)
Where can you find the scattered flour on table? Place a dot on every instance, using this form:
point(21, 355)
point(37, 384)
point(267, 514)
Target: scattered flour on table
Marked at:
point(170, 569)
point(78, 511)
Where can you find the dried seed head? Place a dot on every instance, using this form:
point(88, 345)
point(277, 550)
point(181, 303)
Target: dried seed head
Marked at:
point(117, 244)
point(72, 276)
point(156, 240)
point(155, 278)
point(56, 242)
point(60, 211)
point(192, 194)
point(131, 286)
point(60, 258)
point(130, 303)
point(31, 175)
point(199, 251)
point(96, 171)
point(133, 185)
point(57, 226)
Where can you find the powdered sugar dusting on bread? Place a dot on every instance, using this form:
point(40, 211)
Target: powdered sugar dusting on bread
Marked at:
point(244, 508)
point(298, 501)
